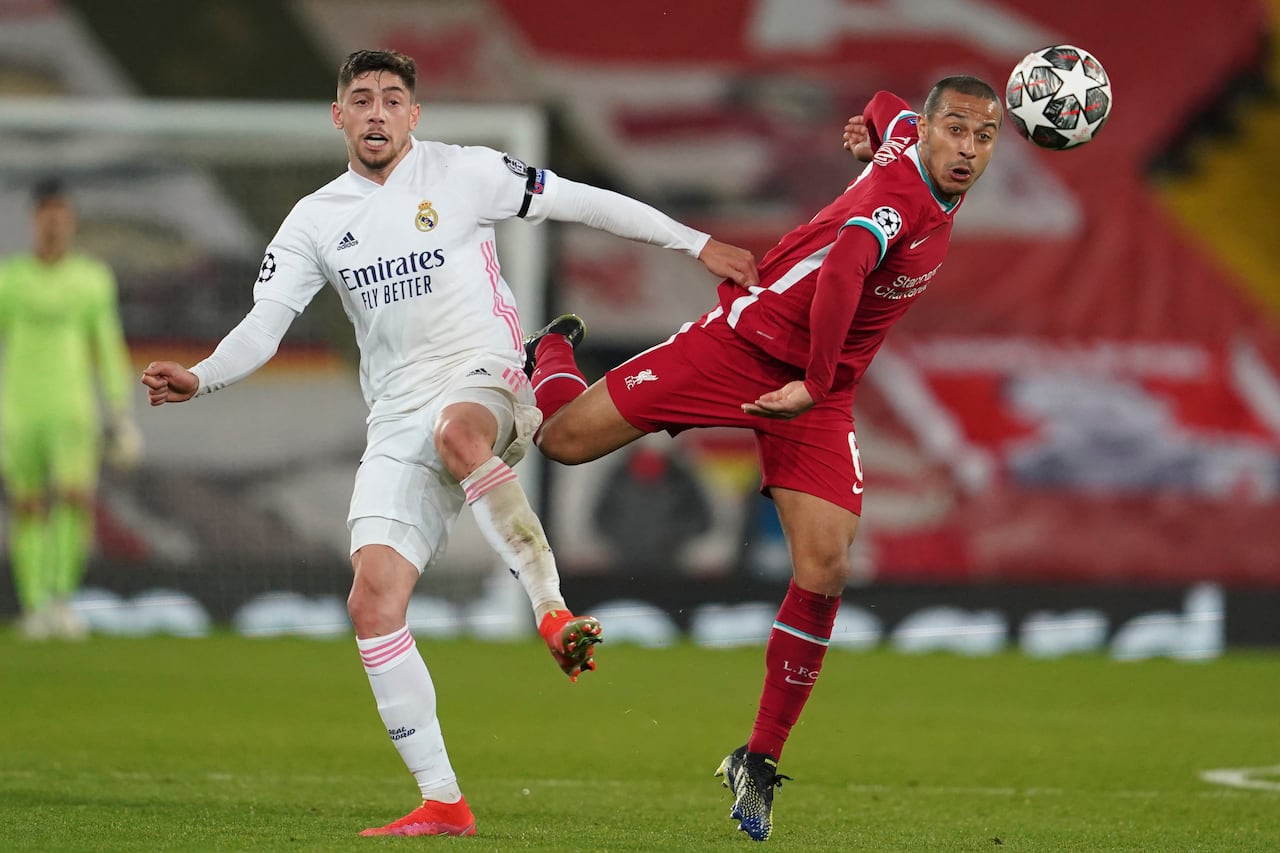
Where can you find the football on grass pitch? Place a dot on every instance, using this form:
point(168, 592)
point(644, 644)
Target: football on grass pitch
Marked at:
point(1059, 96)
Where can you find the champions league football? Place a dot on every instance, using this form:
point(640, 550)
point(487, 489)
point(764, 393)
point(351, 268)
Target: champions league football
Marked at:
point(1059, 97)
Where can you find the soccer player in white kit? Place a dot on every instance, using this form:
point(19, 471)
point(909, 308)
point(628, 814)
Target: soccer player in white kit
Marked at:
point(406, 238)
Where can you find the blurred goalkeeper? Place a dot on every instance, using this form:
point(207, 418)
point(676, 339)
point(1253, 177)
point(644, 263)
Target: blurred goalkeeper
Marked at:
point(783, 359)
point(58, 318)
point(406, 238)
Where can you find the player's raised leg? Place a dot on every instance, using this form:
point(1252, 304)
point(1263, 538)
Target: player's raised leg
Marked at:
point(571, 327)
point(466, 435)
point(550, 364)
point(579, 423)
point(586, 428)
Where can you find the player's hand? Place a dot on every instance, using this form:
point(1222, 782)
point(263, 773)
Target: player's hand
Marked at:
point(169, 382)
point(122, 445)
point(787, 402)
point(725, 261)
point(857, 139)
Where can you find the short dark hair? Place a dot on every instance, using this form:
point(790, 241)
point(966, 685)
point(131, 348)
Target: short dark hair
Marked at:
point(46, 189)
point(961, 84)
point(364, 61)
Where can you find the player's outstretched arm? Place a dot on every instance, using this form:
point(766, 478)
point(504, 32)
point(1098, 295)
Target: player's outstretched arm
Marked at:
point(857, 139)
point(169, 382)
point(725, 261)
point(626, 217)
point(247, 347)
point(787, 402)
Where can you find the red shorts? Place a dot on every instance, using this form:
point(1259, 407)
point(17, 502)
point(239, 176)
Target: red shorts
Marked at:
point(703, 375)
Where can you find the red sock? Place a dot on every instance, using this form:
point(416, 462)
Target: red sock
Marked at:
point(792, 661)
point(556, 377)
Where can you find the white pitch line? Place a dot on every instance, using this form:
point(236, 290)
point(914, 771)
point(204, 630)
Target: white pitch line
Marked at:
point(978, 791)
point(1244, 777)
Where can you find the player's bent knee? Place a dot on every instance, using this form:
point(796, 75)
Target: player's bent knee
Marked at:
point(462, 448)
point(555, 441)
point(570, 442)
point(548, 431)
point(372, 614)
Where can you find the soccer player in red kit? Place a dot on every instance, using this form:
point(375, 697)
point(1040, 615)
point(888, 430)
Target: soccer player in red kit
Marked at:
point(783, 359)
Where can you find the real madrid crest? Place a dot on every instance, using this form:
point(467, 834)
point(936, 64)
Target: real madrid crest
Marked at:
point(427, 217)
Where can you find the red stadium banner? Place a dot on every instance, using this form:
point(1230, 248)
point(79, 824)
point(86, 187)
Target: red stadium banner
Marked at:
point(1085, 393)
point(1106, 460)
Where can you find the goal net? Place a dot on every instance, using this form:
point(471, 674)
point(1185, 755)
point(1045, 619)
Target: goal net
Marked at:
point(239, 507)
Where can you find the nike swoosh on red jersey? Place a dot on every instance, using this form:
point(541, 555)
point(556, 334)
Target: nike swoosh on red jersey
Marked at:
point(921, 240)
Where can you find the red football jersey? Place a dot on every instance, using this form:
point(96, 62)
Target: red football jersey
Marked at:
point(830, 289)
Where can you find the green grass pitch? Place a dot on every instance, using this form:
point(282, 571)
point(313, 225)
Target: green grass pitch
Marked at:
point(229, 743)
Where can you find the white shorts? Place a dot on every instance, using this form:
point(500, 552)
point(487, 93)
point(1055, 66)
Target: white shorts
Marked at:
point(404, 497)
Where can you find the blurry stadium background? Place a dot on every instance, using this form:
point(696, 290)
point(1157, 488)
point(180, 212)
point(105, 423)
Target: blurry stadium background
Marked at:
point(1072, 444)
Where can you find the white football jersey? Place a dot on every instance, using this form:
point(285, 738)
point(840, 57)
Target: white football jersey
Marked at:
point(415, 263)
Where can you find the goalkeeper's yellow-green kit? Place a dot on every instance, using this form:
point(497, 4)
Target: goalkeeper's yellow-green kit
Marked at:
point(63, 351)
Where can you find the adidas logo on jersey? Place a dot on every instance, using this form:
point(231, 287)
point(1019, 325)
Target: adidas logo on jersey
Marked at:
point(479, 371)
point(347, 242)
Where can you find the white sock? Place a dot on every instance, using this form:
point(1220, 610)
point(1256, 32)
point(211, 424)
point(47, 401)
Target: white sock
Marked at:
point(407, 702)
point(513, 530)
